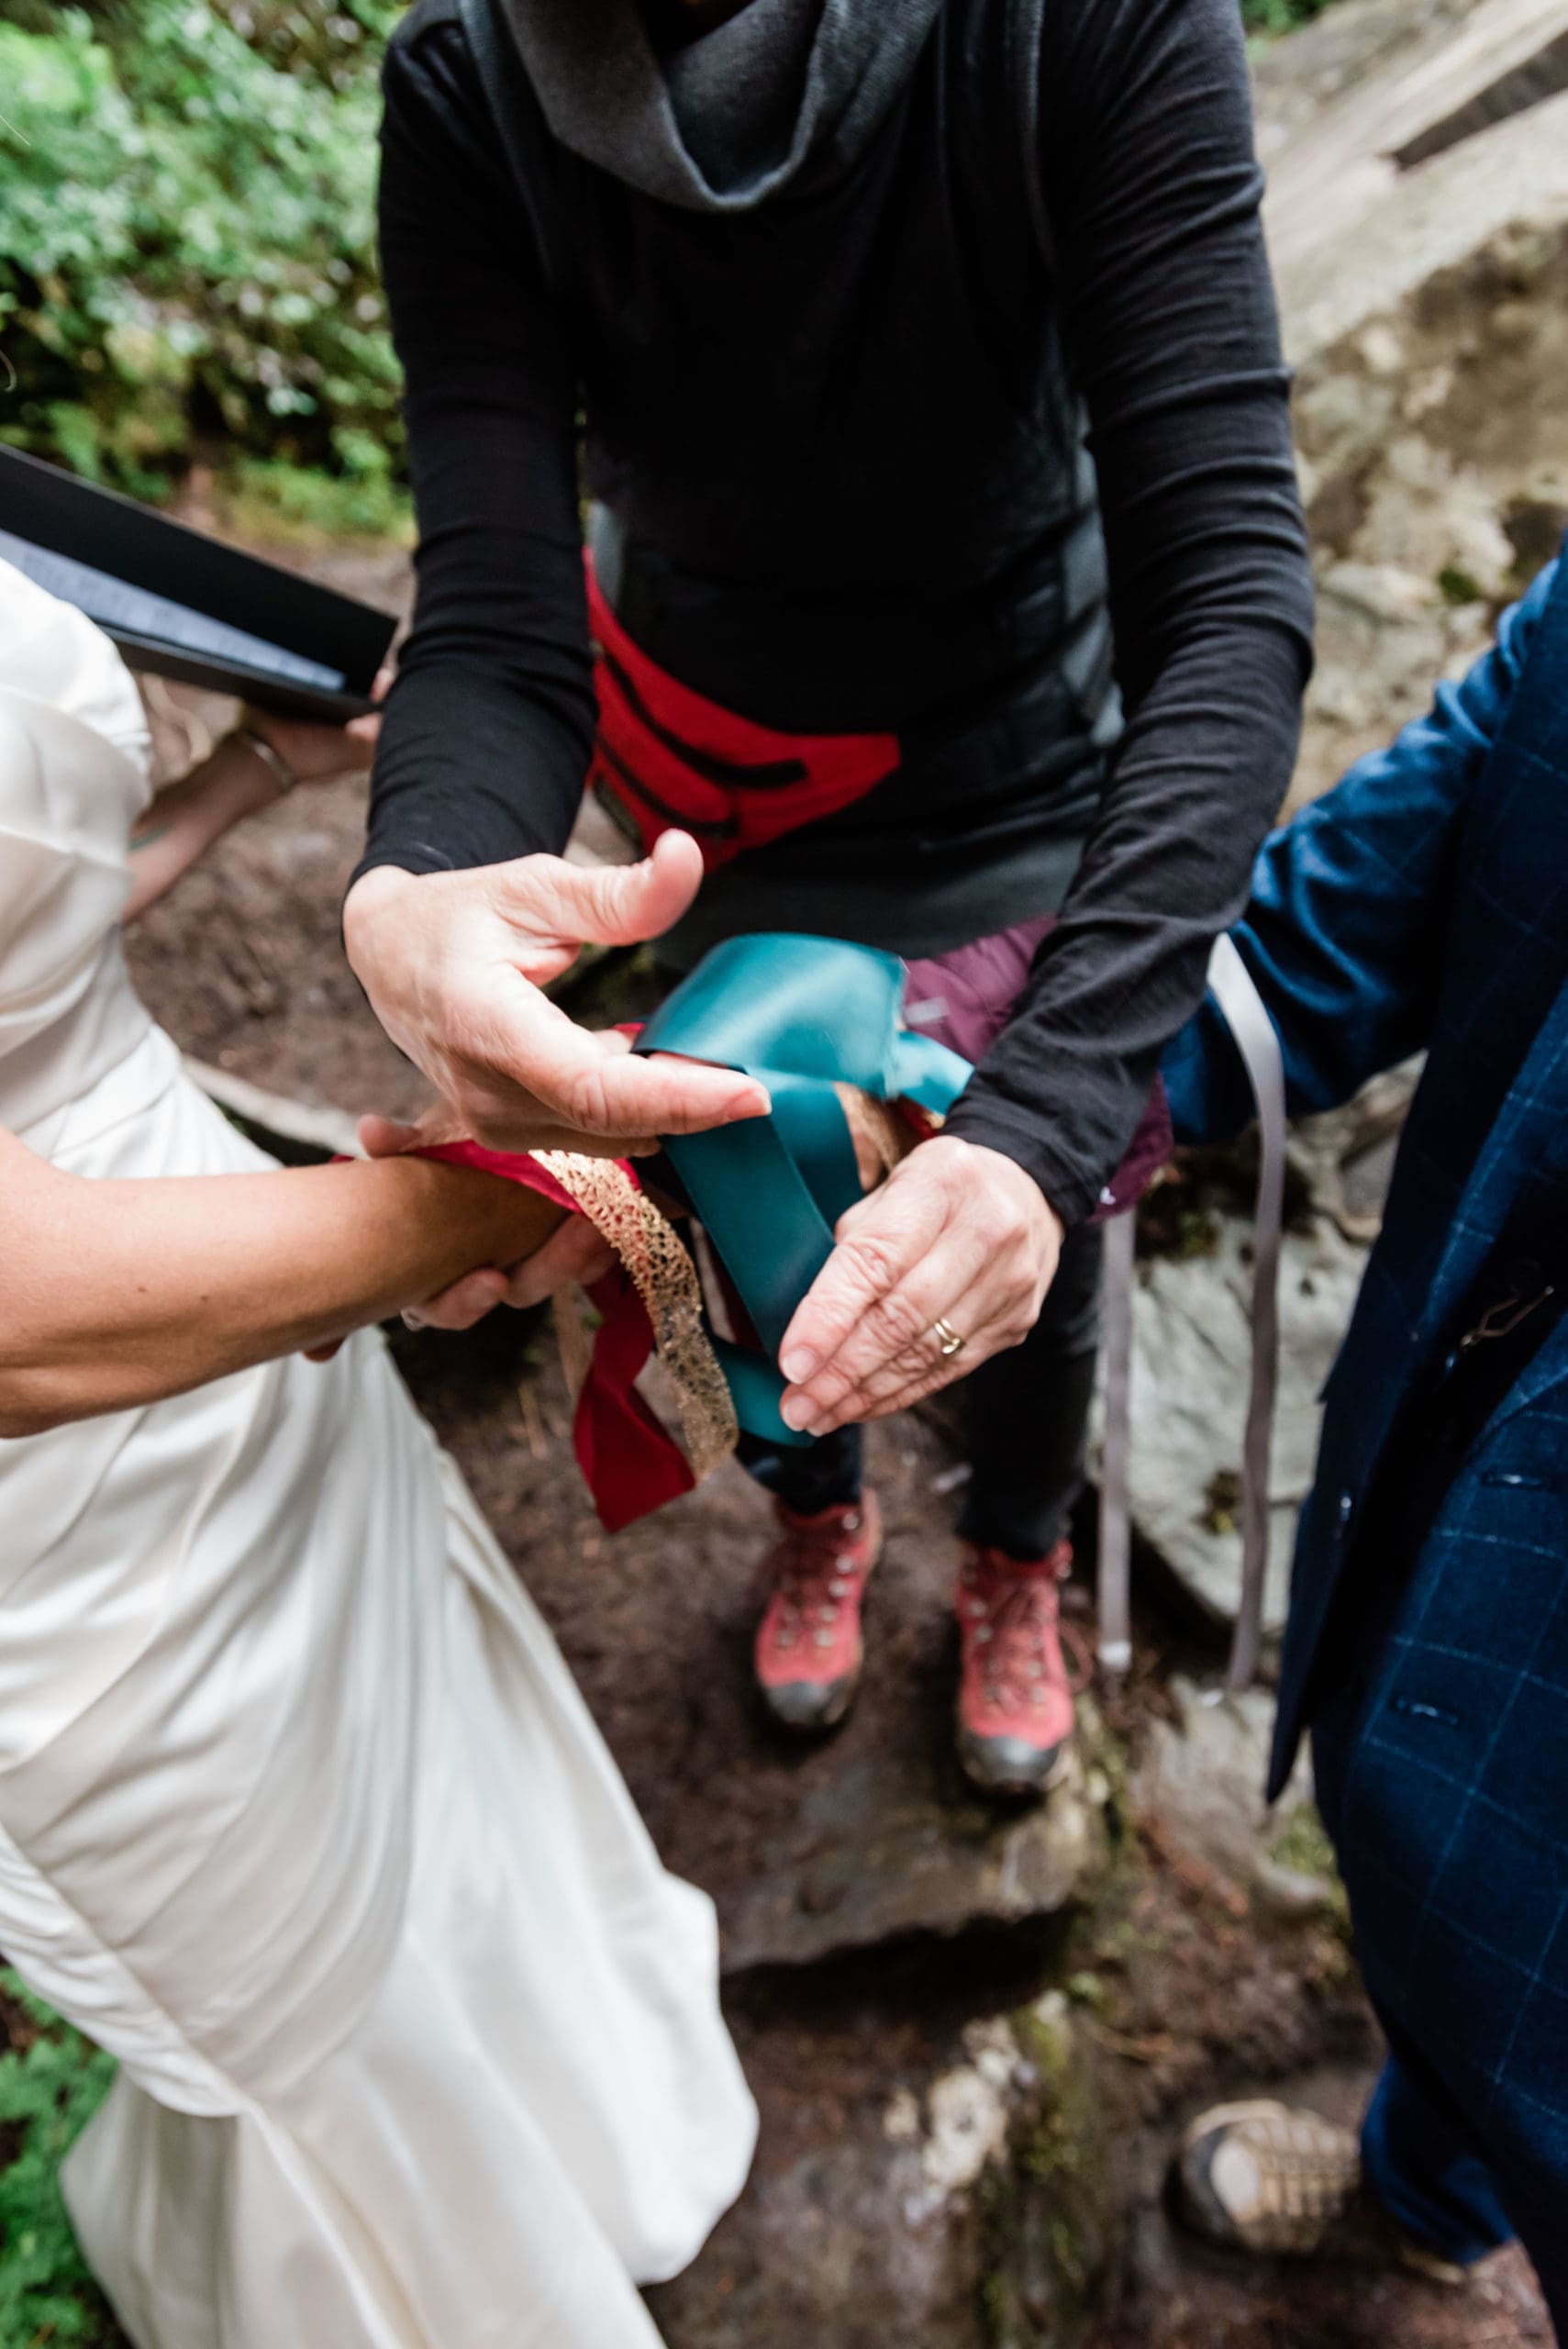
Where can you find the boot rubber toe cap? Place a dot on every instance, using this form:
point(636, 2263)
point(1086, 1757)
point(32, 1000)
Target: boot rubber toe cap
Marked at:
point(1010, 1765)
point(810, 1704)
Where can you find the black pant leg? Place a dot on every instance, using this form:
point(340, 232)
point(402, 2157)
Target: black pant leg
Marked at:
point(1029, 1414)
point(807, 1477)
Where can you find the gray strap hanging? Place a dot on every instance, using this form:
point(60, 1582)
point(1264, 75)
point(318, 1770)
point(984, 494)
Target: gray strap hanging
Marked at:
point(1252, 1032)
point(1116, 1500)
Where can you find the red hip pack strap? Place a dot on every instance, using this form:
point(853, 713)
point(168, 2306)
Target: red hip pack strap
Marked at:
point(674, 761)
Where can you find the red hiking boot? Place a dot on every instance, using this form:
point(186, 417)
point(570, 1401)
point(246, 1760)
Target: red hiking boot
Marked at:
point(809, 1650)
point(1014, 1700)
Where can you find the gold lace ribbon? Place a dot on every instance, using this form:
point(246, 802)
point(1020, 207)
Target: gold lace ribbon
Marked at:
point(666, 1280)
point(882, 1139)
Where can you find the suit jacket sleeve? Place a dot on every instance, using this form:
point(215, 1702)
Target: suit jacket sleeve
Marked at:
point(1344, 933)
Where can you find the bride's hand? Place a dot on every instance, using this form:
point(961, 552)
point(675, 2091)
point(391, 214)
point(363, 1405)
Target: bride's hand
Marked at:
point(575, 1253)
point(318, 754)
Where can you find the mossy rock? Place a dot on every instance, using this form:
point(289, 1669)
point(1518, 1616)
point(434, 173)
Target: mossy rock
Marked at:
point(1045, 2213)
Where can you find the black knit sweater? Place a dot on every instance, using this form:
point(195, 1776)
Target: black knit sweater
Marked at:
point(839, 442)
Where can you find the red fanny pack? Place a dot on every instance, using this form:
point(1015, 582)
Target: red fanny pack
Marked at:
point(677, 762)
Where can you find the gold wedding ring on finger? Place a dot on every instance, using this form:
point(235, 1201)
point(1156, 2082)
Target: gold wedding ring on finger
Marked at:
point(947, 1338)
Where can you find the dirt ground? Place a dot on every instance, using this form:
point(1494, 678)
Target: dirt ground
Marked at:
point(1182, 1992)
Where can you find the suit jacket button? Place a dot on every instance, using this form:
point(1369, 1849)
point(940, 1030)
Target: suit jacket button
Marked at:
point(1347, 1503)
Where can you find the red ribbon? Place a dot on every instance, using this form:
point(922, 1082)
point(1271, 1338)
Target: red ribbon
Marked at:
point(631, 1463)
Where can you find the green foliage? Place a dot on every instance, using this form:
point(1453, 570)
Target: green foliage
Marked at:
point(261, 498)
point(51, 2083)
point(1266, 20)
point(1303, 1845)
point(1456, 585)
point(186, 217)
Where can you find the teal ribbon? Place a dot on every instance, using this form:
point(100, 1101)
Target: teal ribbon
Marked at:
point(800, 1015)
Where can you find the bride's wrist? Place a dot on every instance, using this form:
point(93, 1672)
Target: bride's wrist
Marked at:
point(471, 1219)
point(264, 759)
point(242, 777)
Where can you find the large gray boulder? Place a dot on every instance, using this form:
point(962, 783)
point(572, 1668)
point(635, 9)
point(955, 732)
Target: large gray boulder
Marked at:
point(1193, 1340)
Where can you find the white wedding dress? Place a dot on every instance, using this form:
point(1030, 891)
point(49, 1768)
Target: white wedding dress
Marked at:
point(300, 1815)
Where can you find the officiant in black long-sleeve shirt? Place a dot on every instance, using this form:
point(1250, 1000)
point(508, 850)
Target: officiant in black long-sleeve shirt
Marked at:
point(948, 576)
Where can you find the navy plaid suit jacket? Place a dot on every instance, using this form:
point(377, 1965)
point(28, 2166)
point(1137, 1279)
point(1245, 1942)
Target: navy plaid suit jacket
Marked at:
point(1424, 903)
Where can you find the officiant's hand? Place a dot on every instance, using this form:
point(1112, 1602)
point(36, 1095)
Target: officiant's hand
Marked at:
point(454, 964)
point(960, 1241)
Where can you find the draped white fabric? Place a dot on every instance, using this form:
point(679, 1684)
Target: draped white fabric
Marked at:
point(300, 1812)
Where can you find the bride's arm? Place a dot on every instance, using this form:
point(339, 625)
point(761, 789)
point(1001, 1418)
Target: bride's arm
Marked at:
point(117, 1293)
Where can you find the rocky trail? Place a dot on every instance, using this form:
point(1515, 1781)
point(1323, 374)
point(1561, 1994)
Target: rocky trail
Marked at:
point(975, 2036)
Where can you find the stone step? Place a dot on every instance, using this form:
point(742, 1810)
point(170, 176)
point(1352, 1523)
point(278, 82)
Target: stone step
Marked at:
point(1436, 84)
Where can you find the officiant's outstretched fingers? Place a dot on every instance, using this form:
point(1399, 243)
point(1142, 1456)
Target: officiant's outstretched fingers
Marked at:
point(454, 964)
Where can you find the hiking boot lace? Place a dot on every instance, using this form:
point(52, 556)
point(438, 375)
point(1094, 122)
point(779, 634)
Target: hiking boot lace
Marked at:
point(812, 1579)
point(1015, 1630)
point(1014, 1623)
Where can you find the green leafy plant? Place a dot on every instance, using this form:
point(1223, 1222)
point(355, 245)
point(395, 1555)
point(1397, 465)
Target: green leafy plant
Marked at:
point(51, 2081)
point(1266, 20)
point(261, 497)
point(186, 221)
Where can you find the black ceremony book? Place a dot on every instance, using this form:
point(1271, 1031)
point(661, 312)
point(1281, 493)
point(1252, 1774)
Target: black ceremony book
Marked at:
point(185, 605)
